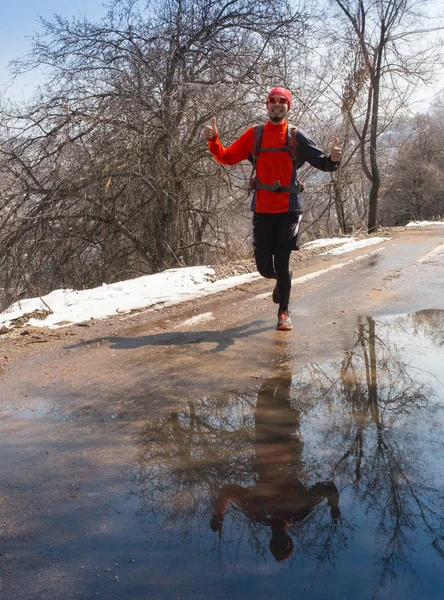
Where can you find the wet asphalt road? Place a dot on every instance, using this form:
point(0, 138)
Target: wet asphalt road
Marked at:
point(220, 458)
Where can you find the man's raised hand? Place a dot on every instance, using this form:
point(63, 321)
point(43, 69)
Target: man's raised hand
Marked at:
point(210, 130)
point(335, 152)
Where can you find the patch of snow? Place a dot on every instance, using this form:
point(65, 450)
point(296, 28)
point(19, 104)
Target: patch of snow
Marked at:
point(326, 242)
point(356, 245)
point(202, 318)
point(167, 288)
point(424, 223)
point(150, 291)
point(433, 255)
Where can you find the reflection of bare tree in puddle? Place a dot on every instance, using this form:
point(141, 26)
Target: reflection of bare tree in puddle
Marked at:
point(243, 452)
point(429, 323)
point(188, 455)
point(375, 395)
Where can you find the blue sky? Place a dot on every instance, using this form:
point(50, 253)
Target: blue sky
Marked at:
point(20, 19)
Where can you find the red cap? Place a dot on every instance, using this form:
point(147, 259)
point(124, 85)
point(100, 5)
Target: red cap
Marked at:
point(280, 91)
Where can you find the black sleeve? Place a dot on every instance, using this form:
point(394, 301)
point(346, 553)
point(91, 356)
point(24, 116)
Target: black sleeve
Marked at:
point(309, 152)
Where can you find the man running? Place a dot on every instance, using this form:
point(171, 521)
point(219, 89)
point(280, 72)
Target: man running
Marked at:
point(277, 150)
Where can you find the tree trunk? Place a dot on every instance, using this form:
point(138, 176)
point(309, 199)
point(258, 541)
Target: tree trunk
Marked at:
point(373, 207)
point(340, 208)
point(376, 179)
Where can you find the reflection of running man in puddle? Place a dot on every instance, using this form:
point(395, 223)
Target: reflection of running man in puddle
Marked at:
point(278, 497)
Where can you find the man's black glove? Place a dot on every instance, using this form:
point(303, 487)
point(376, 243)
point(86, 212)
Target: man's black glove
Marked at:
point(216, 523)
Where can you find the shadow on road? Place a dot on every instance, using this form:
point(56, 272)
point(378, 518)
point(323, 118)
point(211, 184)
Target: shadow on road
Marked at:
point(223, 339)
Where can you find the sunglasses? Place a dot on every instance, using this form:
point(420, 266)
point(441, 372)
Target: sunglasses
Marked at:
point(277, 100)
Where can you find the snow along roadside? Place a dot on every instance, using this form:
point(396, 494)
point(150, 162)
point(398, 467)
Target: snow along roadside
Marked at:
point(63, 308)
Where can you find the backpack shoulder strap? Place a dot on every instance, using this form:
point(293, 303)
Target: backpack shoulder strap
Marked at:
point(257, 141)
point(292, 141)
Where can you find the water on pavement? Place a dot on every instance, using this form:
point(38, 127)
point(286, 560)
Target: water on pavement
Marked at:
point(323, 482)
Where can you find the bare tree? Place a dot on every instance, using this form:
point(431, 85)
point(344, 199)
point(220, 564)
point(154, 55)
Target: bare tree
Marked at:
point(388, 57)
point(111, 175)
point(415, 187)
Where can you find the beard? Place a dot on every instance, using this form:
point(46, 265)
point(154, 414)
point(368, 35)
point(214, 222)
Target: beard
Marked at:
point(276, 118)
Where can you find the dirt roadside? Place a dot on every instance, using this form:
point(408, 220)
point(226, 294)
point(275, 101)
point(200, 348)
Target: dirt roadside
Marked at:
point(24, 341)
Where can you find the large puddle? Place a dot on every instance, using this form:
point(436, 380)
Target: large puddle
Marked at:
point(326, 482)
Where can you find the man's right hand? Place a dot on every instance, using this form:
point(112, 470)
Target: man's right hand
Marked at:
point(210, 130)
point(216, 523)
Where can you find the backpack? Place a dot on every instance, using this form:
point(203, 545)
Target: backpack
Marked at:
point(290, 147)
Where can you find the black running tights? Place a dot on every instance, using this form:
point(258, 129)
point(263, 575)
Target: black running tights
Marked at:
point(274, 237)
point(276, 266)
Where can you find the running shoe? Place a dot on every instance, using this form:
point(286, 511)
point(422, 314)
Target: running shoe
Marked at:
point(284, 321)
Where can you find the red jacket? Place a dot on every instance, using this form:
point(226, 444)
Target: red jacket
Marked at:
point(273, 166)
